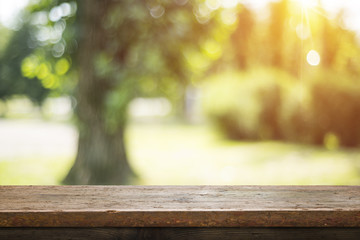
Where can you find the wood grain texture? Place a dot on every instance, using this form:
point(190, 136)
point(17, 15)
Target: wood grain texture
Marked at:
point(179, 206)
point(179, 233)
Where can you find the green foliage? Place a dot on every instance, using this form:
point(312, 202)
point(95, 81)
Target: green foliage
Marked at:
point(266, 89)
point(336, 108)
point(152, 48)
point(247, 105)
point(5, 37)
point(12, 82)
point(37, 60)
point(269, 104)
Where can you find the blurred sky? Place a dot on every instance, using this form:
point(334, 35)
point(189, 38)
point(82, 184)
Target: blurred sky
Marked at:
point(351, 7)
point(10, 8)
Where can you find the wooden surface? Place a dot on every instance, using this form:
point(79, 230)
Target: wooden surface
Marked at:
point(179, 233)
point(179, 206)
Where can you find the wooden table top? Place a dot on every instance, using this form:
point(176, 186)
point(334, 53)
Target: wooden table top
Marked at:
point(179, 206)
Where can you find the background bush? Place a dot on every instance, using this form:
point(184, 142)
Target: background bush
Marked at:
point(320, 108)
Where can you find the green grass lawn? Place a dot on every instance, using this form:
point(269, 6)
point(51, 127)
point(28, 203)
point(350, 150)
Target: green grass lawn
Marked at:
point(197, 155)
point(183, 154)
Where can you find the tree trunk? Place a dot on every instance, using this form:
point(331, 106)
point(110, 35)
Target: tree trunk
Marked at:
point(101, 157)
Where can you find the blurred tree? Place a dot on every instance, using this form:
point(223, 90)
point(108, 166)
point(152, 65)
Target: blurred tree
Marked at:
point(118, 50)
point(101, 157)
point(302, 101)
point(275, 37)
point(36, 62)
point(125, 47)
point(241, 38)
point(331, 40)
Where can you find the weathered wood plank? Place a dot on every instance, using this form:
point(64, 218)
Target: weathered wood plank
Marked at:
point(179, 233)
point(179, 206)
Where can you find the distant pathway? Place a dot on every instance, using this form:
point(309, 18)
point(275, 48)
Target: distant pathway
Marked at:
point(36, 138)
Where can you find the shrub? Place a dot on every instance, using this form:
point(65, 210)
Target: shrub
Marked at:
point(247, 105)
point(335, 109)
point(270, 104)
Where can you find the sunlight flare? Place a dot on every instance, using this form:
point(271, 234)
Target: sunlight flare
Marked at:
point(307, 3)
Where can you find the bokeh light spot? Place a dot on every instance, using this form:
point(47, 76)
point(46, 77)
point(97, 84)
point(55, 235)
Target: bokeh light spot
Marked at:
point(43, 71)
point(212, 49)
point(213, 4)
point(29, 66)
point(51, 82)
point(55, 14)
point(229, 3)
point(62, 66)
point(313, 58)
point(157, 11)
